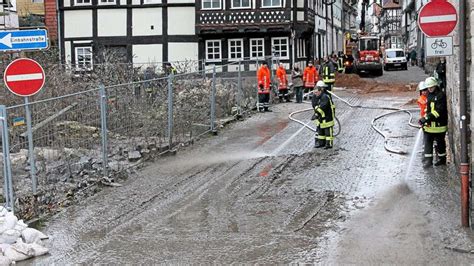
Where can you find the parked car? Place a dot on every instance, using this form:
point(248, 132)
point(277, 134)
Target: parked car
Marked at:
point(395, 58)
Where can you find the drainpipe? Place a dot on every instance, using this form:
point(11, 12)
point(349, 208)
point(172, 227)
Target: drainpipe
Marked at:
point(465, 210)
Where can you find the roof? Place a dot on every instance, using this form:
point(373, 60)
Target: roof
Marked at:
point(391, 4)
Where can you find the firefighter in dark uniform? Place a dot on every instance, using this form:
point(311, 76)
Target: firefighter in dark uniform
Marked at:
point(435, 123)
point(324, 114)
point(328, 73)
point(340, 62)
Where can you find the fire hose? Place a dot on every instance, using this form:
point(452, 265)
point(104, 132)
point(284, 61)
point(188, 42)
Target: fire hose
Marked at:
point(386, 138)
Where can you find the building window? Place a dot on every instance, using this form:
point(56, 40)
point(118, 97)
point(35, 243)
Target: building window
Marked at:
point(211, 4)
point(236, 49)
point(82, 2)
point(84, 58)
point(213, 50)
point(301, 48)
point(37, 1)
point(106, 2)
point(271, 3)
point(280, 47)
point(152, 2)
point(257, 48)
point(241, 4)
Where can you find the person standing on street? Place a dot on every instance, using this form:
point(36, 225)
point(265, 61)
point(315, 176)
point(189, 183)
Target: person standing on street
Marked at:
point(340, 62)
point(324, 114)
point(282, 83)
point(423, 99)
point(328, 73)
point(310, 77)
point(264, 78)
point(441, 71)
point(435, 123)
point(297, 79)
point(413, 57)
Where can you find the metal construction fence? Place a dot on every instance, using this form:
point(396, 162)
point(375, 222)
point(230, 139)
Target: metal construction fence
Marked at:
point(104, 131)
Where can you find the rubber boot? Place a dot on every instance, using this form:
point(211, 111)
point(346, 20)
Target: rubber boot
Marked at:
point(442, 161)
point(427, 163)
point(319, 143)
point(328, 146)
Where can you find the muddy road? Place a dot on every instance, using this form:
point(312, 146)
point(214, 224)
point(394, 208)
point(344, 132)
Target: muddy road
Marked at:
point(260, 193)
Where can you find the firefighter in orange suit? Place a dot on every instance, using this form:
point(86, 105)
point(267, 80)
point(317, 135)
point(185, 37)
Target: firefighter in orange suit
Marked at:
point(310, 77)
point(263, 77)
point(282, 84)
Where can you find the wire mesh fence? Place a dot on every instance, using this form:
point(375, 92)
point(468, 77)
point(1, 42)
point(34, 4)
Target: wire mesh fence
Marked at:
point(143, 115)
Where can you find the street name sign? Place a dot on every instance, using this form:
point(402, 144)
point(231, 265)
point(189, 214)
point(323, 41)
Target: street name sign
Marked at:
point(437, 18)
point(24, 77)
point(18, 40)
point(439, 46)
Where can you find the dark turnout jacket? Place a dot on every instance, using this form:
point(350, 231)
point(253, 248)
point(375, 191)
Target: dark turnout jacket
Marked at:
point(324, 108)
point(436, 113)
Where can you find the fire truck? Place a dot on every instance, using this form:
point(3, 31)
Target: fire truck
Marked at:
point(367, 58)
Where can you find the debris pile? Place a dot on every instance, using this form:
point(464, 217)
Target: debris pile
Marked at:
point(17, 241)
point(353, 81)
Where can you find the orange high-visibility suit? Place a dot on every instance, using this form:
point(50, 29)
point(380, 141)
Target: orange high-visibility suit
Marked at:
point(310, 77)
point(263, 77)
point(283, 80)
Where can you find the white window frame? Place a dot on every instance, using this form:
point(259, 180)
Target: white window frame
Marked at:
point(287, 46)
point(108, 2)
point(241, 49)
point(37, 1)
point(241, 7)
point(211, 8)
point(147, 2)
point(207, 52)
point(272, 6)
point(82, 4)
point(252, 48)
point(78, 67)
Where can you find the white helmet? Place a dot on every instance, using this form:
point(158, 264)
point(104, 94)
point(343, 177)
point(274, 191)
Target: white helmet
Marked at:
point(421, 86)
point(431, 82)
point(321, 84)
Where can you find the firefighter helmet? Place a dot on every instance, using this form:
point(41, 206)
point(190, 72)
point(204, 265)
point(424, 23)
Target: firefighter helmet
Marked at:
point(431, 82)
point(321, 84)
point(421, 86)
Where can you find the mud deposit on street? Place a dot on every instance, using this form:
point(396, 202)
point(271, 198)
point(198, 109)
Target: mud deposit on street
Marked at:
point(260, 193)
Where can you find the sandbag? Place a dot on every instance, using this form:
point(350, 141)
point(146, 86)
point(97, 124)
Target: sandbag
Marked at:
point(19, 251)
point(5, 261)
point(38, 249)
point(3, 211)
point(8, 223)
point(31, 235)
point(9, 236)
point(20, 226)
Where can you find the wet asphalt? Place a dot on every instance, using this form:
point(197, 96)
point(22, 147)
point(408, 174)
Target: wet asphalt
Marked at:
point(260, 193)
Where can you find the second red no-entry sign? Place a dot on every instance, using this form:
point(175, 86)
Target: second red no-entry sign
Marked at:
point(24, 77)
point(437, 18)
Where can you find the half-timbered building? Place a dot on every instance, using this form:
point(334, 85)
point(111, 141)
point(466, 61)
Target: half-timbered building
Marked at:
point(232, 30)
point(139, 31)
point(391, 24)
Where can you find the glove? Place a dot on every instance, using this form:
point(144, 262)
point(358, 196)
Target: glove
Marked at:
point(314, 117)
point(260, 86)
point(422, 121)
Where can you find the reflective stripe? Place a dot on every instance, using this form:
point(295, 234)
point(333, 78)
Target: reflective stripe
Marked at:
point(433, 110)
point(322, 137)
point(325, 124)
point(442, 154)
point(428, 155)
point(319, 110)
point(436, 129)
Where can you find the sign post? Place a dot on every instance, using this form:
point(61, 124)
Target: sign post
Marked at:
point(25, 77)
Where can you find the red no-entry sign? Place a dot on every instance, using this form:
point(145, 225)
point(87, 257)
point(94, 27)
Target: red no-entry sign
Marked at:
point(24, 77)
point(437, 18)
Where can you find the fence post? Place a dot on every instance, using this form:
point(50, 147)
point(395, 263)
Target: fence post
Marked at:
point(170, 111)
point(103, 124)
point(204, 68)
point(213, 101)
point(239, 93)
point(30, 145)
point(7, 171)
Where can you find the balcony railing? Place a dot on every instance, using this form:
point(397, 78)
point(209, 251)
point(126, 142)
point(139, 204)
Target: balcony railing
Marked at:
point(216, 18)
